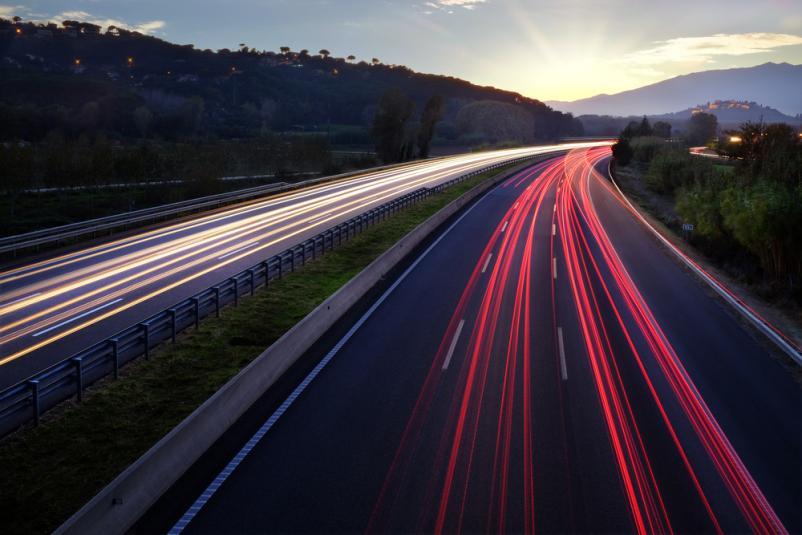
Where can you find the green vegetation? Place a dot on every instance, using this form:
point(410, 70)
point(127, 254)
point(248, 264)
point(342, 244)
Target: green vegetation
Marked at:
point(51, 470)
point(747, 214)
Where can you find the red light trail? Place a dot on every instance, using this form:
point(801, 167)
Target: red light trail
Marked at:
point(493, 388)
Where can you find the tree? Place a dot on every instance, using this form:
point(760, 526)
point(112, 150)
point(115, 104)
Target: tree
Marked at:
point(702, 128)
point(375, 61)
point(491, 121)
point(662, 129)
point(325, 53)
point(142, 120)
point(389, 124)
point(351, 57)
point(622, 152)
point(432, 113)
point(267, 110)
point(631, 130)
point(645, 129)
point(285, 50)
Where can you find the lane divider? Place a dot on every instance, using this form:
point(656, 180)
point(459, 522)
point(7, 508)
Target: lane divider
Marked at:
point(453, 344)
point(563, 365)
point(487, 262)
point(79, 316)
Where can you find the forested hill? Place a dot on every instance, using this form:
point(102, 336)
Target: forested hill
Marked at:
point(77, 77)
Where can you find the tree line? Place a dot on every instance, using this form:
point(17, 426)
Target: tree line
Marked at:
point(747, 212)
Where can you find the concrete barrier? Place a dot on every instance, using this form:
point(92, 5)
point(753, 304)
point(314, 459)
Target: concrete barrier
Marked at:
point(120, 504)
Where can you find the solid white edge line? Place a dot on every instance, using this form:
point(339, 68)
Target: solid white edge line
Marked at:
point(757, 322)
point(254, 440)
point(453, 345)
point(79, 316)
point(563, 365)
point(487, 262)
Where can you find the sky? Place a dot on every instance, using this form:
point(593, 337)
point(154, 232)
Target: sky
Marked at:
point(544, 49)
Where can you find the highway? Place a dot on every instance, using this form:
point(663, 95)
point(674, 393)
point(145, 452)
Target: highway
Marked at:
point(543, 365)
point(57, 306)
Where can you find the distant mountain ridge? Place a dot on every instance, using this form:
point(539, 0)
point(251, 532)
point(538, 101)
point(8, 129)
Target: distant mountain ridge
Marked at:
point(776, 85)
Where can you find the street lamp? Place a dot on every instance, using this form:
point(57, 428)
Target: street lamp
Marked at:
point(735, 139)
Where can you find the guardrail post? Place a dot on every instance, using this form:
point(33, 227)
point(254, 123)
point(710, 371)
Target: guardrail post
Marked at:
point(303, 253)
point(145, 326)
point(253, 280)
point(216, 291)
point(292, 260)
point(196, 309)
point(115, 356)
point(314, 248)
point(266, 265)
point(79, 377)
point(34, 386)
point(280, 265)
point(172, 313)
point(236, 290)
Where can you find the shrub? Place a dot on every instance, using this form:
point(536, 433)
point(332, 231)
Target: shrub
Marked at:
point(671, 169)
point(622, 152)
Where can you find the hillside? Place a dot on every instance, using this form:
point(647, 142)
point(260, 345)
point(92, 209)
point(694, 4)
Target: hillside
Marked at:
point(77, 77)
point(771, 84)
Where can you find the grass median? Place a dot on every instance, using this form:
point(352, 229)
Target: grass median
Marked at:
point(51, 470)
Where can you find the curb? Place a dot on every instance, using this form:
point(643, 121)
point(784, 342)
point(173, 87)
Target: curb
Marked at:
point(782, 341)
point(120, 504)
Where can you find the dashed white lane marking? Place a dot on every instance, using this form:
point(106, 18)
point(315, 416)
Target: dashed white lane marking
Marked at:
point(555, 207)
point(563, 366)
point(514, 206)
point(235, 251)
point(504, 227)
point(21, 299)
point(487, 262)
point(453, 344)
point(554, 229)
point(79, 316)
point(554, 266)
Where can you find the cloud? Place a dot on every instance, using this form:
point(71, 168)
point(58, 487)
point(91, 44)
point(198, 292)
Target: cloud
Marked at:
point(704, 49)
point(447, 5)
point(147, 27)
point(10, 11)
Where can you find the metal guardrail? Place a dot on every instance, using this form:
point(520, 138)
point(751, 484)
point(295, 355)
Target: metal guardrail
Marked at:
point(34, 239)
point(27, 400)
point(11, 244)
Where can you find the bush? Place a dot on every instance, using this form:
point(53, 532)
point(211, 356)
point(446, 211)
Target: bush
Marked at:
point(765, 217)
point(671, 169)
point(622, 152)
point(700, 204)
point(646, 148)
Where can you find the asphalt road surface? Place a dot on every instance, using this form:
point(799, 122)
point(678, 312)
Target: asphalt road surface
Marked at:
point(544, 365)
point(55, 307)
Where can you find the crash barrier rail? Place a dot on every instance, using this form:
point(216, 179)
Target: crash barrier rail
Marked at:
point(28, 400)
point(56, 235)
